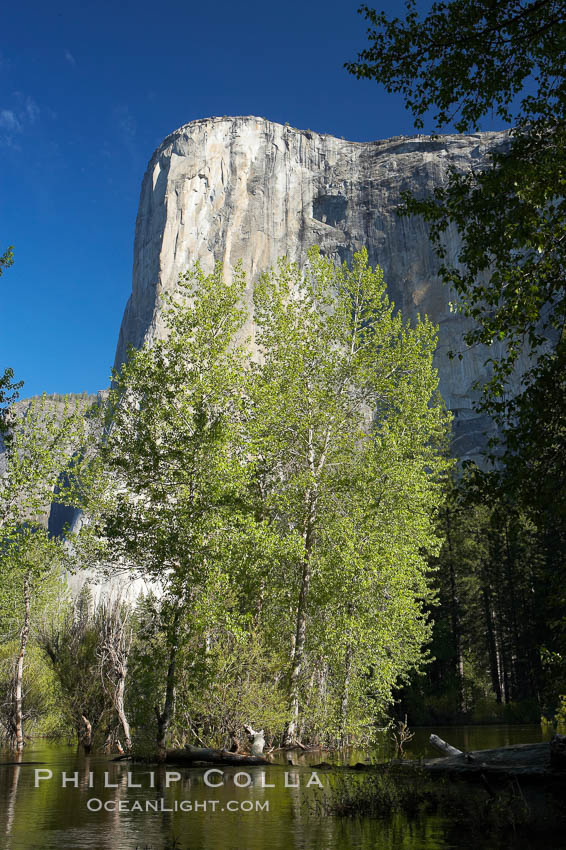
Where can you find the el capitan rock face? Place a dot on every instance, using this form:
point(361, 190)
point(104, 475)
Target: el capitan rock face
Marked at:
point(247, 188)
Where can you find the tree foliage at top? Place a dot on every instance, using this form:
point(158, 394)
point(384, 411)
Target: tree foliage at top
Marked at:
point(35, 460)
point(8, 387)
point(6, 259)
point(8, 395)
point(465, 60)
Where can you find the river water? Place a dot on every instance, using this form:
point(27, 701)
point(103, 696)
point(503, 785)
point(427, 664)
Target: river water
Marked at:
point(79, 802)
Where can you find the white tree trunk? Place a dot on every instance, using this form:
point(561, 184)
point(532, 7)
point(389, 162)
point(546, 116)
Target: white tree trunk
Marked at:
point(19, 671)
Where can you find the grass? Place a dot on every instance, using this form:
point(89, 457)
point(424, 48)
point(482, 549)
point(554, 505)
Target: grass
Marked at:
point(473, 809)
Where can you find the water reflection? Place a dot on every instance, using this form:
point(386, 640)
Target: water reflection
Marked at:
point(60, 814)
point(13, 795)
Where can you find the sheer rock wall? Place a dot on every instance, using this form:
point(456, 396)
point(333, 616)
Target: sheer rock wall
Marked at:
point(247, 188)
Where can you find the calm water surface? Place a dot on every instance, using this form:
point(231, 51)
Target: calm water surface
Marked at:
point(263, 817)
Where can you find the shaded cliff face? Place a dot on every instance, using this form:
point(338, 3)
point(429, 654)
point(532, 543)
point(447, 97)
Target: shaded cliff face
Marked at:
point(246, 188)
point(56, 516)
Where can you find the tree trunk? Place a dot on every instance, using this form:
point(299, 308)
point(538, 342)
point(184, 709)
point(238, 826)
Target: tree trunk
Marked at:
point(121, 711)
point(164, 717)
point(346, 688)
point(19, 671)
point(297, 668)
point(344, 701)
point(301, 624)
point(455, 619)
point(517, 685)
point(505, 662)
point(114, 660)
point(491, 647)
point(85, 734)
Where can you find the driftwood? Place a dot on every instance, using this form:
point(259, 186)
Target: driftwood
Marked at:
point(258, 741)
point(443, 746)
point(207, 755)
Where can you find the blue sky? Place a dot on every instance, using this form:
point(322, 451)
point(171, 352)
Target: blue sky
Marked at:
point(87, 91)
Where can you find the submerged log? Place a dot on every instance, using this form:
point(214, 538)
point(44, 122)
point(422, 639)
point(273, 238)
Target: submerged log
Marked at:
point(207, 755)
point(527, 761)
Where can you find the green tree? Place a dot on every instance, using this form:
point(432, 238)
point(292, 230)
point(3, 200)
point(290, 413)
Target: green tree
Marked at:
point(42, 442)
point(173, 461)
point(282, 506)
point(32, 567)
point(42, 715)
point(88, 645)
point(346, 428)
point(511, 216)
point(490, 614)
point(36, 457)
point(8, 395)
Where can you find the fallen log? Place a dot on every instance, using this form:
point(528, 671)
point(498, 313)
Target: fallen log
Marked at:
point(524, 761)
point(208, 755)
point(444, 747)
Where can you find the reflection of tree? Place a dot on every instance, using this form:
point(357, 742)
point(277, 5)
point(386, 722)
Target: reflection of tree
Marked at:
point(114, 834)
point(12, 797)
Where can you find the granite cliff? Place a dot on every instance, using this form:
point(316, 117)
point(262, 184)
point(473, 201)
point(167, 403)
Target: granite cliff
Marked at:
point(247, 188)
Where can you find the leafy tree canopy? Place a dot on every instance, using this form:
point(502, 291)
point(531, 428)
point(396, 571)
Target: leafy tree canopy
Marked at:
point(284, 502)
point(439, 62)
point(465, 60)
point(6, 259)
